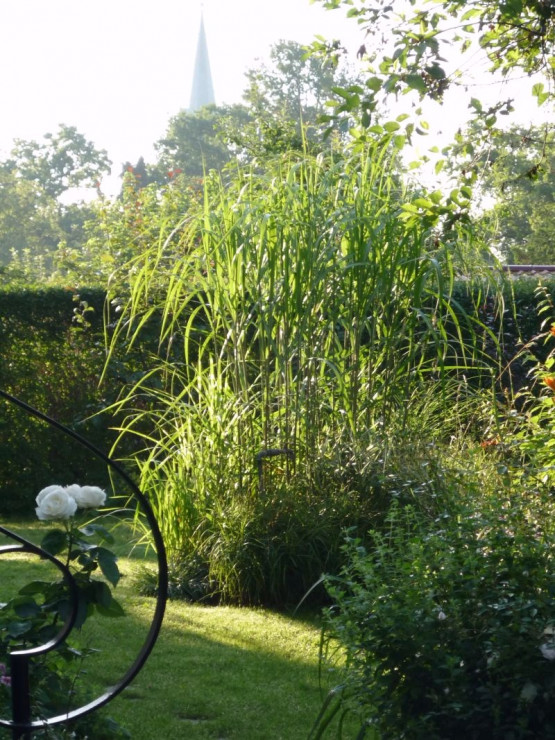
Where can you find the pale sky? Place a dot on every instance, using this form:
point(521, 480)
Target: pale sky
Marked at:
point(118, 70)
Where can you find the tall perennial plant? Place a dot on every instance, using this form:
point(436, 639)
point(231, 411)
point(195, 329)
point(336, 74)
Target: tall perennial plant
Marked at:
point(298, 308)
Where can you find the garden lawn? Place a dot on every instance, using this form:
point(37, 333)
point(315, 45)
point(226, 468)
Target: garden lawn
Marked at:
point(223, 673)
point(215, 672)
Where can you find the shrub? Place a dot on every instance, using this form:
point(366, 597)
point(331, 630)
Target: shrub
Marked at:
point(448, 628)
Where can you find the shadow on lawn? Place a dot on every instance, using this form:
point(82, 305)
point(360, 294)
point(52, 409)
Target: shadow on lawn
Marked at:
point(227, 673)
point(215, 672)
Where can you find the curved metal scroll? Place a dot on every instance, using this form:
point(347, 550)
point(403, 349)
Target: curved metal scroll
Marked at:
point(21, 723)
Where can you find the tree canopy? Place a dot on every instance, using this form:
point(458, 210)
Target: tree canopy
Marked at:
point(406, 50)
point(33, 221)
point(64, 160)
point(284, 100)
point(195, 141)
point(518, 174)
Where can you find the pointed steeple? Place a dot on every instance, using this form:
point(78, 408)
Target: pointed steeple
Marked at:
point(202, 92)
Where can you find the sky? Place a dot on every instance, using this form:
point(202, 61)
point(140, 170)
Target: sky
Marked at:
point(118, 70)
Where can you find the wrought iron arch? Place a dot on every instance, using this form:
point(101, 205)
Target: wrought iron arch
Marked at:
point(22, 724)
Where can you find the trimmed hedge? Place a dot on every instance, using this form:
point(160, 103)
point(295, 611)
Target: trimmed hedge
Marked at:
point(53, 361)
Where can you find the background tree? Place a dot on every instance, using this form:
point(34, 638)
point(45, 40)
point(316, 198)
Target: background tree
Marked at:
point(28, 219)
point(287, 99)
point(34, 220)
point(63, 160)
point(283, 102)
point(196, 141)
point(517, 171)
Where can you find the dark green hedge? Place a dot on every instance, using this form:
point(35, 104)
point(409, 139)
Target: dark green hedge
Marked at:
point(518, 320)
point(53, 362)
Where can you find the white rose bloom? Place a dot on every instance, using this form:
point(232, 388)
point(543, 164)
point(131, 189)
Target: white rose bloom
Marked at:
point(56, 504)
point(74, 491)
point(87, 497)
point(46, 491)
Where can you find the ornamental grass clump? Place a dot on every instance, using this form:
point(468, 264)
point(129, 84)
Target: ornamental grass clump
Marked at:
point(299, 308)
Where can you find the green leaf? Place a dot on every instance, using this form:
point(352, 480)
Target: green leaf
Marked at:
point(538, 92)
point(472, 13)
point(114, 610)
point(35, 587)
point(108, 565)
point(54, 541)
point(374, 83)
point(423, 203)
point(91, 529)
point(16, 629)
point(436, 197)
point(391, 127)
point(26, 608)
point(436, 72)
point(102, 593)
point(416, 82)
point(366, 119)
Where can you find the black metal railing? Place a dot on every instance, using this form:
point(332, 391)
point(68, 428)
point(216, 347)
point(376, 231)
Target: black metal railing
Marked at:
point(22, 723)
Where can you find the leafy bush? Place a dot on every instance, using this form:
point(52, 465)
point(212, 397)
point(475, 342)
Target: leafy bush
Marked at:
point(449, 628)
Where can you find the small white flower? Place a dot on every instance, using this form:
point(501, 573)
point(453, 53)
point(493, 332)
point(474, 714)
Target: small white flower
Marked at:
point(87, 497)
point(55, 504)
point(441, 616)
point(548, 651)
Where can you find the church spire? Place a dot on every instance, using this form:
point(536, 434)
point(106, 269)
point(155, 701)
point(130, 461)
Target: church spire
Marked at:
point(202, 92)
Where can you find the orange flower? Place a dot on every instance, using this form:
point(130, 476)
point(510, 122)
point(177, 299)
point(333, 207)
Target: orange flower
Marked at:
point(550, 381)
point(552, 329)
point(489, 443)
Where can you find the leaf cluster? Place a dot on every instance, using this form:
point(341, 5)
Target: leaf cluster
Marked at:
point(448, 626)
point(37, 613)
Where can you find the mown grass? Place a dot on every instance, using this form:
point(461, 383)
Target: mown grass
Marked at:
point(215, 672)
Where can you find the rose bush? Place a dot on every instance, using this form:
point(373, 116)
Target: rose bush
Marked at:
point(35, 614)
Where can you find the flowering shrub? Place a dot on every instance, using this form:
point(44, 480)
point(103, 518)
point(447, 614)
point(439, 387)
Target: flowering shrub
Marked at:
point(449, 628)
point(35, 615)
